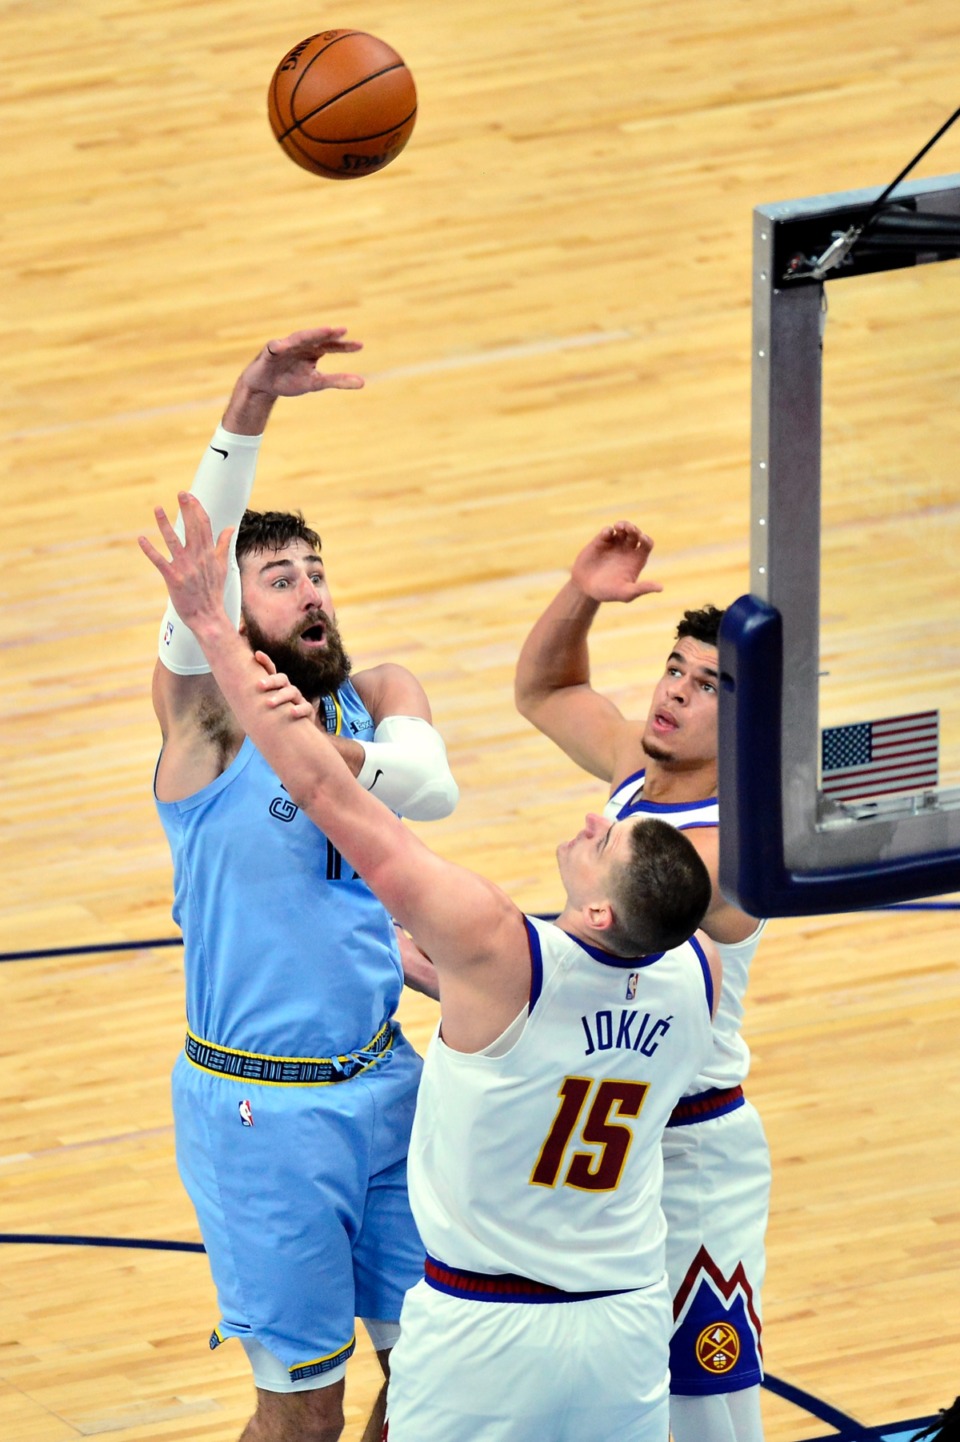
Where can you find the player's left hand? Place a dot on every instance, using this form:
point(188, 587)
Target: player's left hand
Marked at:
point(281, 692)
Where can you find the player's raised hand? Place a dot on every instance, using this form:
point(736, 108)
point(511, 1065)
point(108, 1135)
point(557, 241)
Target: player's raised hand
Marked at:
point(196, 572)
point(288, 367)
point(609, 566)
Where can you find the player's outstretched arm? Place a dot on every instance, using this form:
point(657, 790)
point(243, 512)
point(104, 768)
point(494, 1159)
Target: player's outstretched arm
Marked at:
point(552, 683)
point(464, 923)
point(223, 483)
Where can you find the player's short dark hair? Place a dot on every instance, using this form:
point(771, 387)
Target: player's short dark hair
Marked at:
point(273, 531)
point(660, 892)
point(702, 625)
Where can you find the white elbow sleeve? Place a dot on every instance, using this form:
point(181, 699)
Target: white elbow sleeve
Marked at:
point(222, 485)
point(406, 767)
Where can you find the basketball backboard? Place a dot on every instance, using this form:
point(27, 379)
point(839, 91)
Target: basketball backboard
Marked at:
point(787, 848)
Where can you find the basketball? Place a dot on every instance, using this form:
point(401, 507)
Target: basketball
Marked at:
point(342, 104)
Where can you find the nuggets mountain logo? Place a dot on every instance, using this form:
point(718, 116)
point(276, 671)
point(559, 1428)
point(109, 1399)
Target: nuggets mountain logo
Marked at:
point(718, 1348)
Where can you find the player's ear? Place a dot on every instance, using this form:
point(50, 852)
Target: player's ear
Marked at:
point(599, 915)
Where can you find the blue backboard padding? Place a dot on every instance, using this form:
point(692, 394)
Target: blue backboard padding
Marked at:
point(752, 868)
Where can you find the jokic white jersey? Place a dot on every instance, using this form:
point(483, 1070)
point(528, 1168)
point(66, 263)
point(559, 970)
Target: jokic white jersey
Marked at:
point(729, 1059)
point(540, 1156)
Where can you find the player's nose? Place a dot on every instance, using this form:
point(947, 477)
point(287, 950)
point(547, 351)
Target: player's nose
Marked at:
point(308, 595)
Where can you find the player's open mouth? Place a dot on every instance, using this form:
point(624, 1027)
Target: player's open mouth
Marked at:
point(314, 635)
point(663, 721)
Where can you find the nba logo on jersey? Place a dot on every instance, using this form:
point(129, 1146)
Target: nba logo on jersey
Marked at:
point(246, 1113)
point(168, 633)
point(632, 980)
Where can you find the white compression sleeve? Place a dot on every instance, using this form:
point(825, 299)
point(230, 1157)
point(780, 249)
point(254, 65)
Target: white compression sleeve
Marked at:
point(406, 767)
point(222, 485)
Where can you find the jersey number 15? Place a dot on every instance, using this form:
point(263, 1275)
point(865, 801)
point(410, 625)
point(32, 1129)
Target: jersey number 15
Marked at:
point(590, 1171)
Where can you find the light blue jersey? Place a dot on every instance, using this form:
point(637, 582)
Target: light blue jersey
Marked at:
point(294, 1096)
point(286, 951)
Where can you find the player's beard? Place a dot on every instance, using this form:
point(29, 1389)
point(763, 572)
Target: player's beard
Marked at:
point(315, 673)
point(656, 752)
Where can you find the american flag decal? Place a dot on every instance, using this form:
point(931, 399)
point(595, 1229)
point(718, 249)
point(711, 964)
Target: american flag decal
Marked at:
point(876, 758)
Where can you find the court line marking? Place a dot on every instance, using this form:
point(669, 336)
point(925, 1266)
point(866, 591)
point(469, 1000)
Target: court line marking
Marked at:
point(848, 1429)
point(48, 952)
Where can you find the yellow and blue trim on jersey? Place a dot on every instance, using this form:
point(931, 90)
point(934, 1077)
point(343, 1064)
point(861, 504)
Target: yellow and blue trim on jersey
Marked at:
point(263, 1070)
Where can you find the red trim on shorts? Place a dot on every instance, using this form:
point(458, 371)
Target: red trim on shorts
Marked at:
point(501, 1287)
point(712, 1103)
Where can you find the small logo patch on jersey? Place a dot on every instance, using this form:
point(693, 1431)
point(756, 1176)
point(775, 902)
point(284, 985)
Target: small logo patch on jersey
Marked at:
point(632, 980)
point(283, 808)
point(168, 633)
point(718, 1347)
point(246, 1113)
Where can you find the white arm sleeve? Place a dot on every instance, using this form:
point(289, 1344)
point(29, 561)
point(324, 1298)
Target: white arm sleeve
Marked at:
point(222, 485)
point(406, 767)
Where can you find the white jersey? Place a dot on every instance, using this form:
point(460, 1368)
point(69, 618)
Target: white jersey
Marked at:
point(540, 1156)
point(729, 1059)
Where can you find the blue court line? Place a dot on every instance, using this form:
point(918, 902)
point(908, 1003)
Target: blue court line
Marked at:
point(821, 1410)
point(45, 1239)
point(904, 1431)
point(45, 952)
point(48, 951)
point(847, 1428)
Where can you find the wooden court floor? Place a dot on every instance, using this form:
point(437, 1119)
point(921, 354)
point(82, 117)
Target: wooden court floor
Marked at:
point(553, 288)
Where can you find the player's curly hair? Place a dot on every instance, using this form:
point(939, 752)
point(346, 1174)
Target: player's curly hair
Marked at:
point(702, 625)
point(272, 531)
point(659, 893)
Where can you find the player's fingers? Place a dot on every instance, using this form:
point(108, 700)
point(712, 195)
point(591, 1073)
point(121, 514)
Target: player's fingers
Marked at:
point(628, 534)
point(315, 335)
point(166, 529)
point(152, 554)
point(339, 382)
point(291, 699)
point(264, 660)
point(196, 522)
point(315, 343)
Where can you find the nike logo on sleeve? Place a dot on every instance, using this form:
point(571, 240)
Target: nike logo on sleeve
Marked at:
point(220, 452)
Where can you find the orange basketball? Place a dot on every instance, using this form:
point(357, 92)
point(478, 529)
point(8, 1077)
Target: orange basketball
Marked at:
point(342, 104)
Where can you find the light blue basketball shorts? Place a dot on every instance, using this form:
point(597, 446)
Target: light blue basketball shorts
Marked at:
point(301, 1196)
